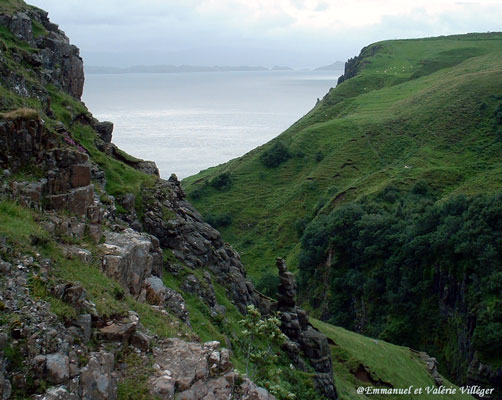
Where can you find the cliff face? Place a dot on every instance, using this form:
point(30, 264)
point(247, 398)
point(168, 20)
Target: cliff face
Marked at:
point(109, 277)
point(47, 52)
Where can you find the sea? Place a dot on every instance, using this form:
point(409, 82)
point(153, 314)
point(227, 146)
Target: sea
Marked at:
point(187, 122)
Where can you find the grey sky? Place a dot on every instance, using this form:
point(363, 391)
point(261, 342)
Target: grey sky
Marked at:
point(298, 33)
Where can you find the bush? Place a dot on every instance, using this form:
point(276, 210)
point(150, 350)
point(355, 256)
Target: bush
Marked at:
point(319, 156)
point(268, 284)
point(275, 156)
point(197, 193)
point(386, 261)
point(218, 221)
point(222, 181)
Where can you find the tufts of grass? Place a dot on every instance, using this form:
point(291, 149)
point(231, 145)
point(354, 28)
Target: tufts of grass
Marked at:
point(21, 113)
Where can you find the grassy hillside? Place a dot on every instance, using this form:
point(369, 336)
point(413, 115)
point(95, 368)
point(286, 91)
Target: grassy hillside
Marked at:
point(417, 110)
point(363, 362)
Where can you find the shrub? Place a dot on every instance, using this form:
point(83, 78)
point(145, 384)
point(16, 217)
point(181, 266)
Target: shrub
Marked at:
point(197, 193)
point(221, 182)
point(217, 221)
point(275, 156)
point(268, 284)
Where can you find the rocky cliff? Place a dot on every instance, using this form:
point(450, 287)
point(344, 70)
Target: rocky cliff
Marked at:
point(110, 278)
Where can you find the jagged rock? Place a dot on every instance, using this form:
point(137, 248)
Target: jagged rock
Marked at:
point(84, 322)
point(57, 61)
point(127, 201)
point(97, 381)
point(162, 387)
point(158, 294)
point(141, 341)
point(194, 242)
point(23, 140)
point(20, 26)
point(58, 393)
point(204, 290)
point(120, 330)
point(148, 167)
point(194, 371)
point(104, 130)
point(73, 252)
point(252, 392)
point(73, 294)
point(431, 364)
point(304, 337)
point(130, 258)
point(58, 368)
point(484, 375)
point(61, 63)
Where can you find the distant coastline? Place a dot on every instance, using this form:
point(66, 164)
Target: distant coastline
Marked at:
point(162, 69)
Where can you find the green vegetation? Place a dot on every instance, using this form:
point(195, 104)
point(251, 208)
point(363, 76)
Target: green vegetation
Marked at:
point(399, 263)
point(20, 226)
point(135, 385)
point(222, 181)
point(275, 156)
point(389, 125)
point(369, 204)
point(362, 361)
point(9, 6)
point(265, 201)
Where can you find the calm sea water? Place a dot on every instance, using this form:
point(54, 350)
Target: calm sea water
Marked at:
point(187, 122)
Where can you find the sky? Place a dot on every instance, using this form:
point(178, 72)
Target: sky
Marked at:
point(295, 33)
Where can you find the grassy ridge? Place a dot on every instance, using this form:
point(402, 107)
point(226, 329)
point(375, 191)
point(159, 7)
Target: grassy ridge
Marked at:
point(416, 110)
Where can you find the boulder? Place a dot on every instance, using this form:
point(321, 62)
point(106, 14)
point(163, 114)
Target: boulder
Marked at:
point(58, 393)
point(120, 330)
point(193, 371)
point(58, 368)
point(97, 381)
point(158, 294)
point(130, 258)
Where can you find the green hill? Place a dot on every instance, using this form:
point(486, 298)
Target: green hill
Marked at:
point(416, 110)
point(363, 194)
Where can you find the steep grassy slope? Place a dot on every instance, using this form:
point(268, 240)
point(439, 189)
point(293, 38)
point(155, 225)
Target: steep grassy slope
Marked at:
point(417, 110)
point(364, 362)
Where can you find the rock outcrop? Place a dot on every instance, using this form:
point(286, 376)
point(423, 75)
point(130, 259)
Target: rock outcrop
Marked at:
point(51, 351)
point(135, 261)
point(65, 170)
point(304, 338)
point(55, 60)
point(181, 228)
point(199, 371)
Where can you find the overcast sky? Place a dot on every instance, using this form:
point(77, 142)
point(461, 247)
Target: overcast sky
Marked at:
point(297, 33)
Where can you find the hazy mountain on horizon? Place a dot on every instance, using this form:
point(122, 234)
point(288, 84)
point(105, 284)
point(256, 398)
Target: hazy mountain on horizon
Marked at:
point(152, 69)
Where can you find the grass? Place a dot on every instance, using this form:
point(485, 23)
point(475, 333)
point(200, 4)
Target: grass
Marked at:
point(21, 113)
point(388, 364)
point(19, 224)
point(418, 110)
point(134, 385)
point(10, 6)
